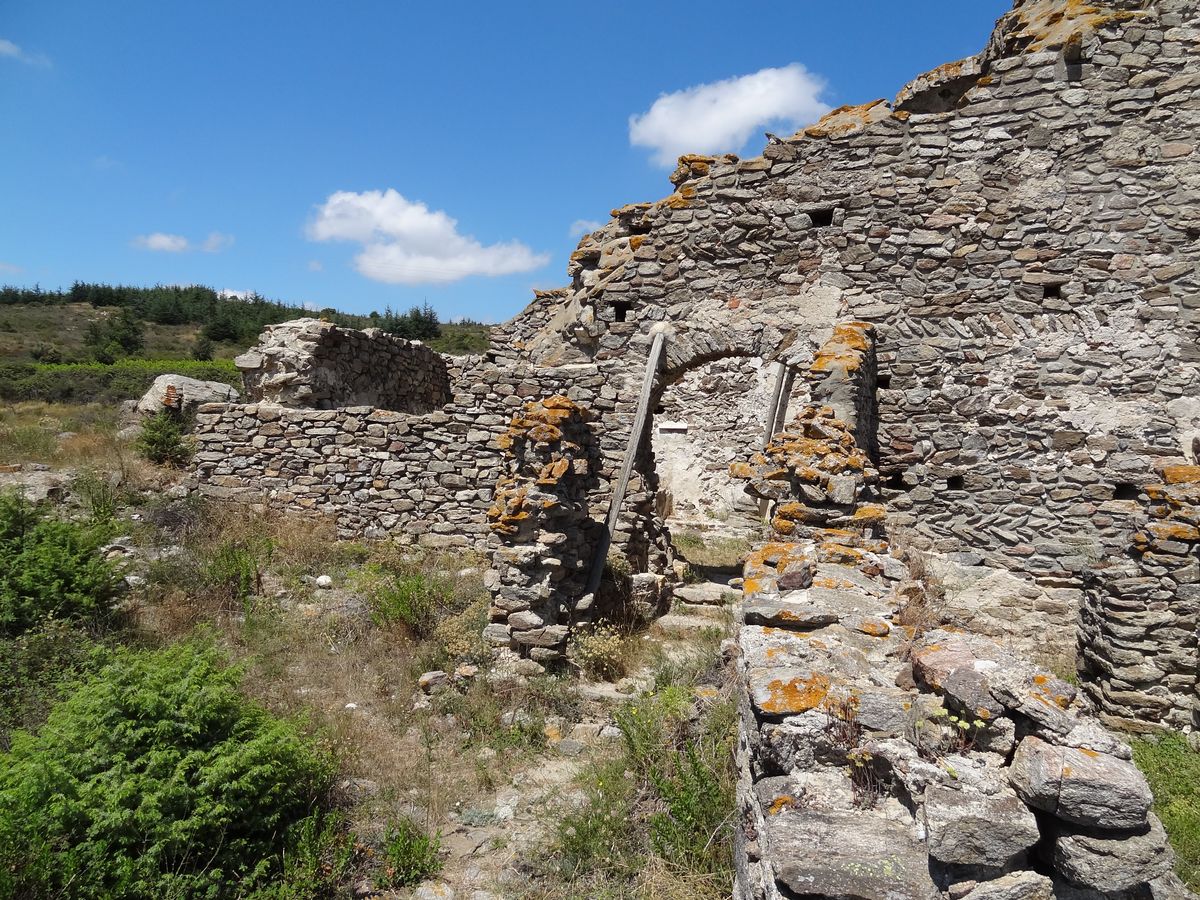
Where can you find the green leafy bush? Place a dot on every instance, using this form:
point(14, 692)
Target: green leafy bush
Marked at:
point(162, 440)
point(50, 568)
point(410, 855)
point(234, 572)
point(156, 778)
point(35, 668)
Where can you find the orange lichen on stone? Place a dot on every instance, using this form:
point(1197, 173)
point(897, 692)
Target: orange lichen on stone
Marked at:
point(1174, 531)
point(870, 513)
point(795, 695)
point(847, 119)
point(779, 804)
point(1050, 24)
point(874, 627)
point(1181, 474)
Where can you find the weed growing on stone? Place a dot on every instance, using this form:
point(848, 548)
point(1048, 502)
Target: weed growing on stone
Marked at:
point(601, 652)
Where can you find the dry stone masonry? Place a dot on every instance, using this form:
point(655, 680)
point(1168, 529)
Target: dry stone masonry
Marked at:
point(1021, 232)
point(883, 757)
point(314, 364)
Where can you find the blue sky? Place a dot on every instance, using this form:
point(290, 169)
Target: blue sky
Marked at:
point(362, 154)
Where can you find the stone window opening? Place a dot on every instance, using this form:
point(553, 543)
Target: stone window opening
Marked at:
point(895, 482)
point(1052, 291)
point(821, 218)
point(883, 381)
point(621, 310)
point(955, 483)
point(1126, 491)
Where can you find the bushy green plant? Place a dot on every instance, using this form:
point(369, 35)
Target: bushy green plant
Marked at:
point(410, 854)
point(402, 594)
point(320, 857)
point(36, 666)
point(601, 651)
point(156, 778)
point(98, 494)
point(162, 440)
point(50, 568)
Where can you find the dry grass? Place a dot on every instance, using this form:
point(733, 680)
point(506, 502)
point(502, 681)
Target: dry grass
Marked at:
point(710, 551)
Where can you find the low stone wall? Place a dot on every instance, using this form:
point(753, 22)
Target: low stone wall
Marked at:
point(377, 473)
point(308, 363)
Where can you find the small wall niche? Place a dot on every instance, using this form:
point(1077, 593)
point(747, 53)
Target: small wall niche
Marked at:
point(821, 218)
point(1126, 491)
point(895, 482)
point(955, 483)
point(621, 309)
point(883, 381)
point(1052, 291)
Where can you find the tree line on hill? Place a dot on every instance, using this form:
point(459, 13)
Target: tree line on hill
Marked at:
point(222, 318)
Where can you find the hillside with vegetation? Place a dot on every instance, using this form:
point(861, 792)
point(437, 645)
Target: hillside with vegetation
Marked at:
point(108, 342)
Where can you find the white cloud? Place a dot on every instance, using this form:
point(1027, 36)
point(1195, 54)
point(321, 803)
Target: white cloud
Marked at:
point(583, 226)
point(103, 163)
point(9, 268)
point(12, 51)
point(311, 306)
point(161, 243)
point(216, 242)
point(231, 294)
point(404, 242)
point(176, 243)
point(314, 265)
point(720, 117)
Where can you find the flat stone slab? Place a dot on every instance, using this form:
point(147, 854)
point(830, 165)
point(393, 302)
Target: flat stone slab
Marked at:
point(970, 828)
point(786, 690)
point(812, 608)
point(1108, 861)
point(828, 853)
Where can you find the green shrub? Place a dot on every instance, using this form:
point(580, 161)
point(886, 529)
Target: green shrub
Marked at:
point(410, 855)
point(125, 379)
point(1173, 769)
point(601, 652)
point(98, 494)
point(162, 440)
point(156, 778)
point(320, 857)
point(401, 594)
point(50, 568)
point(35, 668)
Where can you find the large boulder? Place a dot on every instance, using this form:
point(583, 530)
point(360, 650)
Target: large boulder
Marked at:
point(191, 393)
point(1080, 786)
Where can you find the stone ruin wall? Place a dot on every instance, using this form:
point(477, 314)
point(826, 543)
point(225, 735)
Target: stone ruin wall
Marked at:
point(1020, 228)
point(882, 756)
point(313, 364)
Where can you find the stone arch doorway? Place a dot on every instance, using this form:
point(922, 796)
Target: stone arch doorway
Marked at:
point(716, 398)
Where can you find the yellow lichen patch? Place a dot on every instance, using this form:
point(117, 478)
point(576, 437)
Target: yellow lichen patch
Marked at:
point(1181, 474)
point(839, 553)
point(874, 627)
point(636, 241)
point(545, 434)
point(740, 470)
point(870, 513)
point(795, 695)
point(1050, 24)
